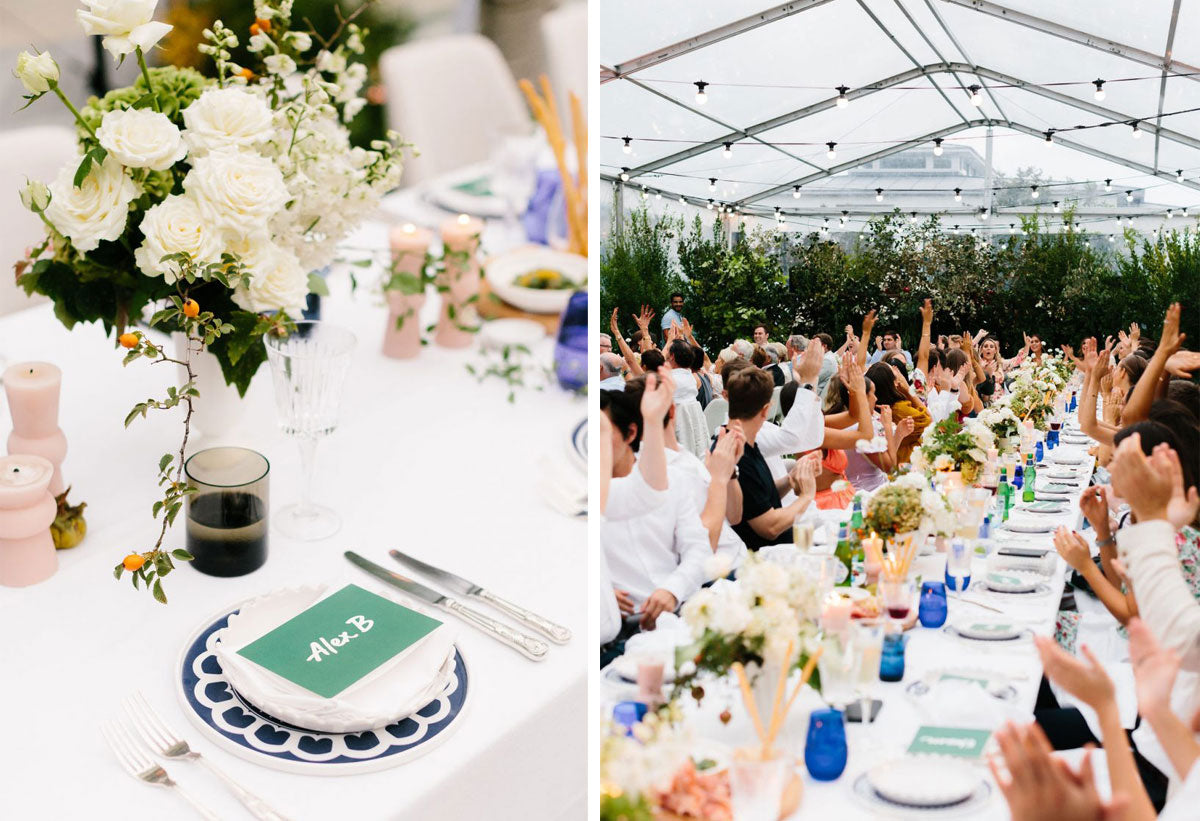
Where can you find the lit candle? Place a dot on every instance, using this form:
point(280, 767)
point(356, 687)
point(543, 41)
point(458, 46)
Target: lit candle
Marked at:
point(835, 615)
point(402, 336)
point(27, 510)
point(462, 233)
point(872, 557)
point(409, 246)
point(459, 281)
point(33, 390)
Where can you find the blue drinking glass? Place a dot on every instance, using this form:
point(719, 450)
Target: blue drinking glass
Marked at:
point(571, 349)
point(628, 713)
point(891, 662)
point(825, 752)
point(932, 609)
point(1038, 453)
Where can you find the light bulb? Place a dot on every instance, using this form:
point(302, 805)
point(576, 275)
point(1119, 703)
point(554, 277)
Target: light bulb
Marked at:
point(958, 195)
point(832, 152)
point(1184, 211)
point(1034, 191)
point(624, 174)
point(955, 230)
point(878, 195)
point(844, 215)
point(1049, 136)
point(701, 97)
point(912, 217)
point(843, 100)
point(1179, 174)
point(1137, 132)
point(1107, 186)
point(645, 193)
point(658, 195)
point(682, 199)
point(728, 152)
point(983, 213)
point(1012, 228)
point(1170, 213)
point(628, 147)
point(1099, 84)
point(937, 147)
point(1111, 238)
point(795, 192)
point(710, 205)
point(976, 97)
point(1056, 208)
point(712, 183)
point(1129, 196)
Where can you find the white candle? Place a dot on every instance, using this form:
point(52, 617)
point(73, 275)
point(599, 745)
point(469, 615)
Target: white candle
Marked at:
point(33, 391)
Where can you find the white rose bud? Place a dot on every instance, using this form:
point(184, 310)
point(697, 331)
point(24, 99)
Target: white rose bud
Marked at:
point(96, 210)
point(37, 72)
point(141, 138)
point(126, 25)
point(35, 196)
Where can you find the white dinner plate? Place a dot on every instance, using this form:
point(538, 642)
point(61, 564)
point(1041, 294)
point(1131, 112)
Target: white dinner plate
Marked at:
point(469, 196)
point(1043, 507)
point(923, 782)
point(987, 630)
point(1028, 525)
point(1009, 582)
point(1060, 472)
point(1065, 458)
point(391, 692)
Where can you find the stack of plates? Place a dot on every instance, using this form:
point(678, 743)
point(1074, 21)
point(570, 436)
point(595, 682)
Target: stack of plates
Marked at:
point(1059, 472)
point(923, 783)
point(1062, 457)
point(1002, 582)
point(1028, 524)
point(987, 630)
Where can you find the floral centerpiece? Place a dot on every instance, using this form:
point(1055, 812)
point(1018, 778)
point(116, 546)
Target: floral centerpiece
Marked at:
point(1004, 425)
point(906, 505)
point(952, 445)
point(636, 769)
point(206, 201)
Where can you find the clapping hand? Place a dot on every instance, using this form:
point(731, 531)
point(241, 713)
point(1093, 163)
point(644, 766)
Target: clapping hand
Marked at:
point(731, 443)
point(1154, 669)
point(1171, 338)
point(1183, 363)
point(803, 477)
point(1184, 504)
point(927, 311)
point(687, 330)
point(1071, 546)
point(613, 325)
point(807, 366)
point(959, 380)
point(851, 374)
point(1028, 342)
point(1094, 504)
point(868, 324)
point(643, 318)
point(1147, 490)
point(904, 427)
point(657, 397)
point(1084, 678)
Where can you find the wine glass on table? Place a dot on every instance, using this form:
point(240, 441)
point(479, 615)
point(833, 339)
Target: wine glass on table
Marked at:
point(898, 597)
point(308, 365)
point(868, 652)
point(958, 566)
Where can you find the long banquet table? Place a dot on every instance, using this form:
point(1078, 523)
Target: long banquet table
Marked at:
point(902, 714)
point(425, 458)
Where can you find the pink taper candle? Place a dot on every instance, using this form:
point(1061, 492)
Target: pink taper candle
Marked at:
point(27, 510)
point(402, 337)
point(33, 390)
point(459, 282)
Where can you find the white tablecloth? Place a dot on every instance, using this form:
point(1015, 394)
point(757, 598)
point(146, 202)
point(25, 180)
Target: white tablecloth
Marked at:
point(425, 459)
point(902, 714)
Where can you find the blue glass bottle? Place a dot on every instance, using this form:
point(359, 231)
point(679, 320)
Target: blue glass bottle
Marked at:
point(571, 348)
point(1018, 479)
point(1038, 453)
point(932, 609)
point(825, 751)
point(891, 662)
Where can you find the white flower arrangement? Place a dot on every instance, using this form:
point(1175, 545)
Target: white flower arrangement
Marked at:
point(1002, 422)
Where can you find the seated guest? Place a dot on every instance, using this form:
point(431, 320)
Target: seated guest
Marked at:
point(782, 363)
point(892, 390)
point(691, 427)
point(742, 348)
point(888, 343)
point(704, 379)
point(658, 559)
point(829, 363)
point(611, 366)
point(652, 360)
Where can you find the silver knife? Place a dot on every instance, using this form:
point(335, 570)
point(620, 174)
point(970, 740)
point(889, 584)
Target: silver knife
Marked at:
point(556, 633)
point(527, 646)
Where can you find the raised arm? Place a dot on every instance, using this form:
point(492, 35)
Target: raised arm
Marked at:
point(926, 330)
point(868, 325)
point(1095, 364)
point(635, 367)
point(1137, 407)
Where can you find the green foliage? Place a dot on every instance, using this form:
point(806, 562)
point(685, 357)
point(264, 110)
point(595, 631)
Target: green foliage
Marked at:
point(176, 89)
point(637, 268)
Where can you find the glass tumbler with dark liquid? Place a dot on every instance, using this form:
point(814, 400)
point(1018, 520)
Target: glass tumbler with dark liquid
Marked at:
point(227, 516)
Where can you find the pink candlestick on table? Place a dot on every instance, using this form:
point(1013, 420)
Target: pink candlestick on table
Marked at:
point(459, 282)
point(33, 390)
point(402, 337)
point(27, 554)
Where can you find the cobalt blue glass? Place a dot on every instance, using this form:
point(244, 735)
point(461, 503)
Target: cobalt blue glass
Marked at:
point(825, 751)
point(628, 713)
point(891, 663)
point(1052, 438)
point(1018, 479)
point(932, 609)
point(1038, 452)
point(571, 349)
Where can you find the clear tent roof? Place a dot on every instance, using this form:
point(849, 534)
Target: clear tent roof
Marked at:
point(772, 73)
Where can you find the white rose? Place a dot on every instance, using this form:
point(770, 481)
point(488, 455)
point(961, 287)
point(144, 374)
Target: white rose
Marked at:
point(125, 24)
point(35, 196)
point(141, 138)
point(277, 282)
point(227, 118)
point(175, 226)
point(97, 209)
point(37, 72)
point(237, 192)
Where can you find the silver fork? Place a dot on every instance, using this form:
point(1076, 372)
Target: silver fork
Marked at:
point(155, 732)
point(141, 766)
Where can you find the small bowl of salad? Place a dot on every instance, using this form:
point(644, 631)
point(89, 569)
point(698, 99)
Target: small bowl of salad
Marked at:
point(537, 280)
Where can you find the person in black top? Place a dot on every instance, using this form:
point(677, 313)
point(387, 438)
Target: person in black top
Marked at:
point(765, 520)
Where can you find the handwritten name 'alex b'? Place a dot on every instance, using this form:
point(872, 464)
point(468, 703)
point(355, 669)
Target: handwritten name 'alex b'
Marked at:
point(323, 647)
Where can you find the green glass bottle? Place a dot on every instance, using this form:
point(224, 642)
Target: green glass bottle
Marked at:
point(1004, 492)
point(856, 516)
point(845, 553)
point(1027, 495)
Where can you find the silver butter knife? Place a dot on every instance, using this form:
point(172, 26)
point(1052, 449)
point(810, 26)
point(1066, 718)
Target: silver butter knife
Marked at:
point(450, 581)
point(526, 645)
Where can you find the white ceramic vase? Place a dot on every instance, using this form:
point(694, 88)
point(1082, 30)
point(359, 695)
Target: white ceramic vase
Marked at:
point(218, 412)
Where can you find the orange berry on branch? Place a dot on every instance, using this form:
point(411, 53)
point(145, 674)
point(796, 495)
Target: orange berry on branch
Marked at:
point(255, 29)
point(191, 308)
point(246, 74)
point(128, 340)
point(264, 25)
point(133, 561)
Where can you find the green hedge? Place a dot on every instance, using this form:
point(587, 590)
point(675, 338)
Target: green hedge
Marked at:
point(1062, 286)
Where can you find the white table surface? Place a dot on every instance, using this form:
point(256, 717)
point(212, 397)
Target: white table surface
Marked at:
point(425, 459)
point(927, 649)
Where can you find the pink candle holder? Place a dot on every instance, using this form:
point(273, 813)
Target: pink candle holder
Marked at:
point(27, 509)
point(458, 282)
point(33, 390)
point(405, 298)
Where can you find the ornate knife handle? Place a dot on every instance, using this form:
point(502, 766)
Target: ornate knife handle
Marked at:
point(527, 646)
point(556, 633)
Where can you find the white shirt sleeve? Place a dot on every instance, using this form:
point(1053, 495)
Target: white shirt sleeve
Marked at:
point(630, 497)
point(693, 550)
point(610, 614)
point(1165, 602)
point(941, 405)
point(802, 429)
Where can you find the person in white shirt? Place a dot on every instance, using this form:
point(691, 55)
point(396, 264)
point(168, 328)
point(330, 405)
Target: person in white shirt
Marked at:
point(611, 366)
point(659, 559)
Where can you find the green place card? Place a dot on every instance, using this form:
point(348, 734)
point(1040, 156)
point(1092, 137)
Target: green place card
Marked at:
point(982, 681)
point(479, 187)
point(1000, 578)
point(1046, 507)
point(958, 742)
point(338, 640)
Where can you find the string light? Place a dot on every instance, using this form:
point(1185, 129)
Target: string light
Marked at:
point(645, 193)
point(976, 97)
point(682, 199)
point(1137, 132)
point(878, 195)
point(832, 152)
point(710, 205)
point(1108, 186)
point(1012, 228)
point(795, 192)
point(1179, 174)
point(1056, 208)
point(912, 218)
point(624, 174)
point(658, 195)
point(983, 213)
point(937, 147)
point(1111, 238)
point(1034, 191)
point(958, 195)
point(778, 214)
point(842, 100)
point(845, 214)
point(1128, 196)
point(628, 147)
point(728, 152)
point(701, 96)
point(1050, 136)
point(1170, 213)
point(712, 183)
point(1185, 213)
point(1099, 95)
point(955, 231)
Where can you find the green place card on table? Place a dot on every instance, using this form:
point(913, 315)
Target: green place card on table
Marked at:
point(339, 640)
point(958, 742)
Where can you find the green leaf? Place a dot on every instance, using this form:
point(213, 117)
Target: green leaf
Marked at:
point(158, 592)
point(317, 284)
point(182, 555)
point(81, 173)
point(164, 461)
point(118, 570)
point(145, 101)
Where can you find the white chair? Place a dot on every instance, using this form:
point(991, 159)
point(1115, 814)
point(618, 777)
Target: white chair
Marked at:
point(773, 412)
point(716, 414)
point(452, 97)
point(564, 41)
point(35, 153)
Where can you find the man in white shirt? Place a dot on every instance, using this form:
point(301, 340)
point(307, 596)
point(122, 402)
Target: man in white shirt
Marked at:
point(611, 366)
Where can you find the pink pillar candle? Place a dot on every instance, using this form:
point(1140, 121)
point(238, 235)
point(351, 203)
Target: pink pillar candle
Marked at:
point(402, 336)
point(459, 281)
point(33, 390)
point(27, 510)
